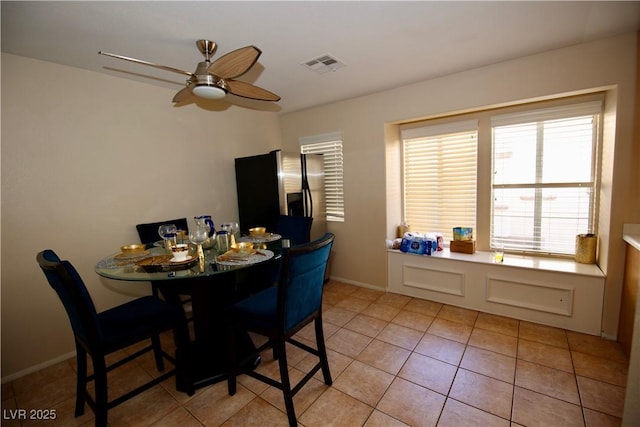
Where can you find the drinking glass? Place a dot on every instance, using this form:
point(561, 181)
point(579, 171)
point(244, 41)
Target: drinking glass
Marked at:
point(198, 235)
point(222, 241)
point(168, 234)
point(498, 253)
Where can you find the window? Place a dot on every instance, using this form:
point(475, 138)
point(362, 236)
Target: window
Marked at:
point(330, 146)
point(439, 177)
point(544, 178)
point(525, 177)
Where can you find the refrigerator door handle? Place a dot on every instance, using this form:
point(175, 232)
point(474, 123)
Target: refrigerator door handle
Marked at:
point(306, 191)
point(310, 202)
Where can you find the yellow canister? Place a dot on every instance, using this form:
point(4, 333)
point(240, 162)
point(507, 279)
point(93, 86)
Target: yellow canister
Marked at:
point(402, 228)
point(586, 245)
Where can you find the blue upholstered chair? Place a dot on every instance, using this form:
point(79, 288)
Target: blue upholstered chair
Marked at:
point(295, 228)
point(280, 312)
point(100, 334)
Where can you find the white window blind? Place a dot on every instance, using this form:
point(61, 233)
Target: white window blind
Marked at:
point(544, 178)
point(440, 174)
point(330, 146)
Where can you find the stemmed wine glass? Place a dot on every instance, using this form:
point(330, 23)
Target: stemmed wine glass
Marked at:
point(198, 235)
point(168, 234)
point(234, 231)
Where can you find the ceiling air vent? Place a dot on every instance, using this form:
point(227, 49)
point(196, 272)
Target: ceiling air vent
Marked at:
point(323, 64)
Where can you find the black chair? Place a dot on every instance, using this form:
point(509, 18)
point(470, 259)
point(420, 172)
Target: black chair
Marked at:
point(149, 232)
point(280, 312)
point(295, 228)
point(100, 334)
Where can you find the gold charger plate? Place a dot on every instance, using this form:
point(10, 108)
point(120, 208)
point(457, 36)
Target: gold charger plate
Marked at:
point(163, 263)
point(261, 238)
point(236, 256)
point(258, 256)
point(133, 255)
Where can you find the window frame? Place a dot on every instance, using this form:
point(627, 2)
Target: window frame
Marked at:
point(538, 118)
point(484, 171)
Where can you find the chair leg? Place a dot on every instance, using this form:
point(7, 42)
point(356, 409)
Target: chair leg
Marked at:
point(279, 345)
point(157, 352)
point(81, 379)
point(100, 373)
point(322, 351)
point(276, 354)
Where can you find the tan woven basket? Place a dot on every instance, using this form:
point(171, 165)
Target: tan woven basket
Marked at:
point(586, 245)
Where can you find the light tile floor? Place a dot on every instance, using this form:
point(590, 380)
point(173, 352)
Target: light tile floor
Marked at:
point(395, 361)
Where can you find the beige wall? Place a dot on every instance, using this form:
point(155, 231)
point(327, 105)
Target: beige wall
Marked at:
point(368, 125)
point(85, 157)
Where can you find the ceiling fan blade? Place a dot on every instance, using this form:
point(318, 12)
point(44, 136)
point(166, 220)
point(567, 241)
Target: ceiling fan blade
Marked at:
point(139, 61)
point(235, 63)
point(247, 90)
point(183, 95)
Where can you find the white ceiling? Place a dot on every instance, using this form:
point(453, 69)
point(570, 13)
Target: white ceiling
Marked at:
point(384, 44)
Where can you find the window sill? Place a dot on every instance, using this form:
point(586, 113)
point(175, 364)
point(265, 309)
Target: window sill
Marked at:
point(558, 265)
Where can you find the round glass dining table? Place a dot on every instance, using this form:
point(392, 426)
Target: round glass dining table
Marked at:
point(132, 268)
point(211, 285)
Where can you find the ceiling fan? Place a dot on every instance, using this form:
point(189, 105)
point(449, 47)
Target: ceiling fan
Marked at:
point(213, 80)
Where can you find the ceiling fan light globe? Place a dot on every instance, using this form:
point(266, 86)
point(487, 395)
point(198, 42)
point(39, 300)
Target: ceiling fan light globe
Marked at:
point(208, 92)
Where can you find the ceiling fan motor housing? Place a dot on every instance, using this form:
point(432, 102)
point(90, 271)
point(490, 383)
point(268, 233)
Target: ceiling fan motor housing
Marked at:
point(203, 78)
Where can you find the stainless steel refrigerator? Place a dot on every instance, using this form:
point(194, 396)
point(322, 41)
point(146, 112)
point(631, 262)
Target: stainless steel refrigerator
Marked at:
point(280, 183)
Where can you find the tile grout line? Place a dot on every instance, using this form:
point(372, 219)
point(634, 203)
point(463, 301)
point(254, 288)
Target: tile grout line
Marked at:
point(575, 378)
point(515, 374)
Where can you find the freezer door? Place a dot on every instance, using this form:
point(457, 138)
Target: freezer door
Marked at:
point(258, 191)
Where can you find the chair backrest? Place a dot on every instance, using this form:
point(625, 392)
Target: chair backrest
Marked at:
point(149, 232)
point(295, 228)
point(302, 280)
point(66, 281)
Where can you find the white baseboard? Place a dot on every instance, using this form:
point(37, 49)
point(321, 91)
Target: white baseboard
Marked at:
point(353, 282)
point(38, 367)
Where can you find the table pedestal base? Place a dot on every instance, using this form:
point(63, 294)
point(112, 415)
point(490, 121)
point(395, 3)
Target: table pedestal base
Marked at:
point(201, 367)
point(204, 360)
